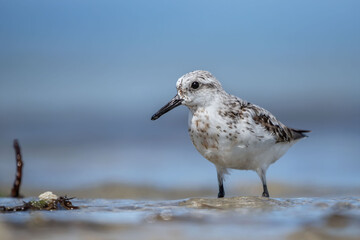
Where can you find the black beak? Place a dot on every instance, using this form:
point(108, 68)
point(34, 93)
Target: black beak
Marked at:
point(176, 101)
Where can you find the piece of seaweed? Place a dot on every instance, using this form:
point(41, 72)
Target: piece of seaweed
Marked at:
point(57, 204)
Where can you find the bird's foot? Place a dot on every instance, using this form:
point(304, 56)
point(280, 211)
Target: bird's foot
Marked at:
point(265, 194)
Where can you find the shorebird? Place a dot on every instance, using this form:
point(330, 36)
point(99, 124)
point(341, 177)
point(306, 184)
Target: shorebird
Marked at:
point(228, 131)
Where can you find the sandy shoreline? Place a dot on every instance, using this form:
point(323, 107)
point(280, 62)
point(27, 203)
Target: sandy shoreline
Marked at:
point(132, 191)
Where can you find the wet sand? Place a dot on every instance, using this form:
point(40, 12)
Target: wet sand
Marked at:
point(190, 218)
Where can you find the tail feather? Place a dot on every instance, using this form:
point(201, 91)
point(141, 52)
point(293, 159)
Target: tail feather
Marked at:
point(298, 134)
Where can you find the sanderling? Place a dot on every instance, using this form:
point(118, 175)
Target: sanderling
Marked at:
point(228, 131)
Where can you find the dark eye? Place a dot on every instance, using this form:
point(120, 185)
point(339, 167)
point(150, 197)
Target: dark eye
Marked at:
point(195, 85)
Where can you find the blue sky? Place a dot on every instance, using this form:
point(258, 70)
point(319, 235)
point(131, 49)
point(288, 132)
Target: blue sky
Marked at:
point(124, 57)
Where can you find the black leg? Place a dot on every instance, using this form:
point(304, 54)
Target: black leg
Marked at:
point(266, 192)
point(262, 174)
point(221, 193)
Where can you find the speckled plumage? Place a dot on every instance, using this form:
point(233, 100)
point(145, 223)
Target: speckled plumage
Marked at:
point(228, 131)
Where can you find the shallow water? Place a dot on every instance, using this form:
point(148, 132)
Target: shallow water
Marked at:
point(197, 218)
point(324, 159)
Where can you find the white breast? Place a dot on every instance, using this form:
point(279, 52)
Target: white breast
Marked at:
point(240, 145)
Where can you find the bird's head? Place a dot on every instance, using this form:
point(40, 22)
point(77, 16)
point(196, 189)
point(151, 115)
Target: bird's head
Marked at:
point(194, 89)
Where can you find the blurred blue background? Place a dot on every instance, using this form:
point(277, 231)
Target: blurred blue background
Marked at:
point(79, 81)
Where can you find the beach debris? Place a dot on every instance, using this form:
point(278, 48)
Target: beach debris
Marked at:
point(15, 191)
point(46, 201)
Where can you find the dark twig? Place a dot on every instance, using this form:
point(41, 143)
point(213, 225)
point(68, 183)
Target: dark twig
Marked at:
point(15, 191)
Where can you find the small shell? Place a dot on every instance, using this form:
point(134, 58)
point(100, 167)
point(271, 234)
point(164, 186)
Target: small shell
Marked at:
point(48, 196)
